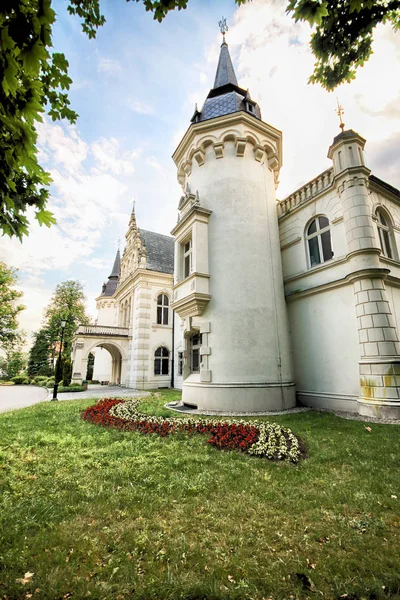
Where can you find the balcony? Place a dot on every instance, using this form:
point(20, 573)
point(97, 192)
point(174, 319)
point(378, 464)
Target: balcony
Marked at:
point(102, 331)
point(191, 295)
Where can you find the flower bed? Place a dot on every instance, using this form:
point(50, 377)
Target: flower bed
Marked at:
point(267, 440)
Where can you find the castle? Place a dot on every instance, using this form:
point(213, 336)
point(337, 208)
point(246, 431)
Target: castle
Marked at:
point(257, 304)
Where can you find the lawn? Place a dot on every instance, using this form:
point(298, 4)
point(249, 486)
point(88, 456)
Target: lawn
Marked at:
point(97, 513)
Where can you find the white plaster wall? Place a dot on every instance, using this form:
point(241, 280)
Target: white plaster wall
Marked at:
point(325, 348)
point(292, 231)
point(247, 309)
point(106, 312)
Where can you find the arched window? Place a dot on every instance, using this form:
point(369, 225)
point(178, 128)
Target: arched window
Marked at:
point(319, 241)
point(385, 232)
point(161, 361)
point(162, 309)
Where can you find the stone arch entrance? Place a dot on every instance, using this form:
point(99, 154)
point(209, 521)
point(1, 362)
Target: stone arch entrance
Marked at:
point(112, 339)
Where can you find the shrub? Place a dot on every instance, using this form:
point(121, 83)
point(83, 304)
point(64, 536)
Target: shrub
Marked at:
point(20, 380)
point(71, 388)
point(50, 382)
point(39, 380)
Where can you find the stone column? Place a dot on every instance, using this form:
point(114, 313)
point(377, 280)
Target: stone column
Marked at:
point(379, 348)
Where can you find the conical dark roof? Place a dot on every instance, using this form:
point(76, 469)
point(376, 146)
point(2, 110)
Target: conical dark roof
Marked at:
point(109, 288)
point(225, 71)
point(226, 96)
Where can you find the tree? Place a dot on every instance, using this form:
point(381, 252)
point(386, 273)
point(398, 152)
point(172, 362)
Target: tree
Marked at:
point(67, 371)
point(343, 34)
point(35, 80)
point(10, 335)
point(39, 361)
point(14, 363)
point(68, 302)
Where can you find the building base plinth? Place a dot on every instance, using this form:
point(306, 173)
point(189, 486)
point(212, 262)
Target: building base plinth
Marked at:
point(240, 397)
point(379, 409)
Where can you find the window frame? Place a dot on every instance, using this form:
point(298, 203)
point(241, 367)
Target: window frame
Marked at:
point(195, 351)
point(384, 225)
point(161, 359)
point(187, 254)
point(162, 309)
point(317, 234)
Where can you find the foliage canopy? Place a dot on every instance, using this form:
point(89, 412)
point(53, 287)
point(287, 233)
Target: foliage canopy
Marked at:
point(35, 80)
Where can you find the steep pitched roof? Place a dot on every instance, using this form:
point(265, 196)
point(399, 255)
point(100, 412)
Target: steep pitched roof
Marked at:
point(225, 72)
point(226, 96)
point(159, 251)
point(111, 285)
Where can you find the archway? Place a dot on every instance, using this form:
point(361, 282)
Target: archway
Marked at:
point(111, 363)
point(117, 363)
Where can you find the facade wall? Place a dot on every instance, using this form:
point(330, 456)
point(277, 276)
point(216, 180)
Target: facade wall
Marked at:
point(324, 338)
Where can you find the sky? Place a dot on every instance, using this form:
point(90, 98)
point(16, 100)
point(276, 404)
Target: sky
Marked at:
point(135, 87)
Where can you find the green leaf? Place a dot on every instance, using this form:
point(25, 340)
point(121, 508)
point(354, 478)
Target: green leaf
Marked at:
point(45, 217)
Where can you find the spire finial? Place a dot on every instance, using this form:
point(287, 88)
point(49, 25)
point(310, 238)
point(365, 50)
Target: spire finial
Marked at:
point(223, 27)
point(340, 112)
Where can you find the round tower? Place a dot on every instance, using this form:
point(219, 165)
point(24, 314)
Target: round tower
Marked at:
point(228, 286)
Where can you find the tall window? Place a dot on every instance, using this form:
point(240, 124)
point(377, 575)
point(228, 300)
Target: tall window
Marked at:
point(195, 343)
point(161, 361)
point(180, 363)
point(187, 258)
point(385, 232)
point(162, 309)
point(319, 241)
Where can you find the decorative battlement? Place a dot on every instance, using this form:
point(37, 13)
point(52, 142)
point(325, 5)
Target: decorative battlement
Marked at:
point(307, 192)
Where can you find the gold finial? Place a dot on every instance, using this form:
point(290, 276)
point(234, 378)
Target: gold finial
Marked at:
point(223, 26)
point(340, 112)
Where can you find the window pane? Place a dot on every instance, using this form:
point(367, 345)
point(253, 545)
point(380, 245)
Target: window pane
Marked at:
point(381, 218)
point(326, 245)
point(165, 363)
point(196, 361)
point(166, 300)
point(188, 246)
point(187, 266)
point(313, 227)
point(157, 366)
point(158, 352)
point(314, 251)
point(159, 299)
point(165, 352)
point(159, 315)
point(323, 222)
point(388, 249)
point(165, 320)
point(195, 339)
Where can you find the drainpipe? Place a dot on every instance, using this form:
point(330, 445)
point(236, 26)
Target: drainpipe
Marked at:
point(173, 351)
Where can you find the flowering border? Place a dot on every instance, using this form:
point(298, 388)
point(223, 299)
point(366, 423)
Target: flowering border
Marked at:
point(267, 440)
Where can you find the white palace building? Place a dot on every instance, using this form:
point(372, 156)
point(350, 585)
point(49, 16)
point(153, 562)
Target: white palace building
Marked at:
point(257, 304)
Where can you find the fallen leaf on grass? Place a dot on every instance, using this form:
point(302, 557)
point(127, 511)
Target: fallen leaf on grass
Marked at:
point(310, 565)
point(394, 496)
point(26, 579)
point(368, 429)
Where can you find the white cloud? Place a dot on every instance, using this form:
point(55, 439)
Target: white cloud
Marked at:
point(108, 65)
point(110, 157)
point(140, 107)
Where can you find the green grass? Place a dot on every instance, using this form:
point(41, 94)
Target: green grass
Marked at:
point(98, 513)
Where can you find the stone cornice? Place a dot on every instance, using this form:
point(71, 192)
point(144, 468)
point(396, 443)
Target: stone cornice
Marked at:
point(140, 275)
point(237, 118)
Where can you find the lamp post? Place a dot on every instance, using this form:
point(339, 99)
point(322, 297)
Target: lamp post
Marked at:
point(57, 375)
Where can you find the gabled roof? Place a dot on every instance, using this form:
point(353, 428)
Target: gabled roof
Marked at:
point(159, 251)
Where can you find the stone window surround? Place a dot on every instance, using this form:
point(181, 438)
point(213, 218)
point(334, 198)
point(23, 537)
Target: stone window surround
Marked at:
point(161, 358)
point(388, 227)
point(317, 234)
point(161, 304)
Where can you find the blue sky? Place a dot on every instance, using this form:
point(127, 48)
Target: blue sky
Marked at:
point(135, 87)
